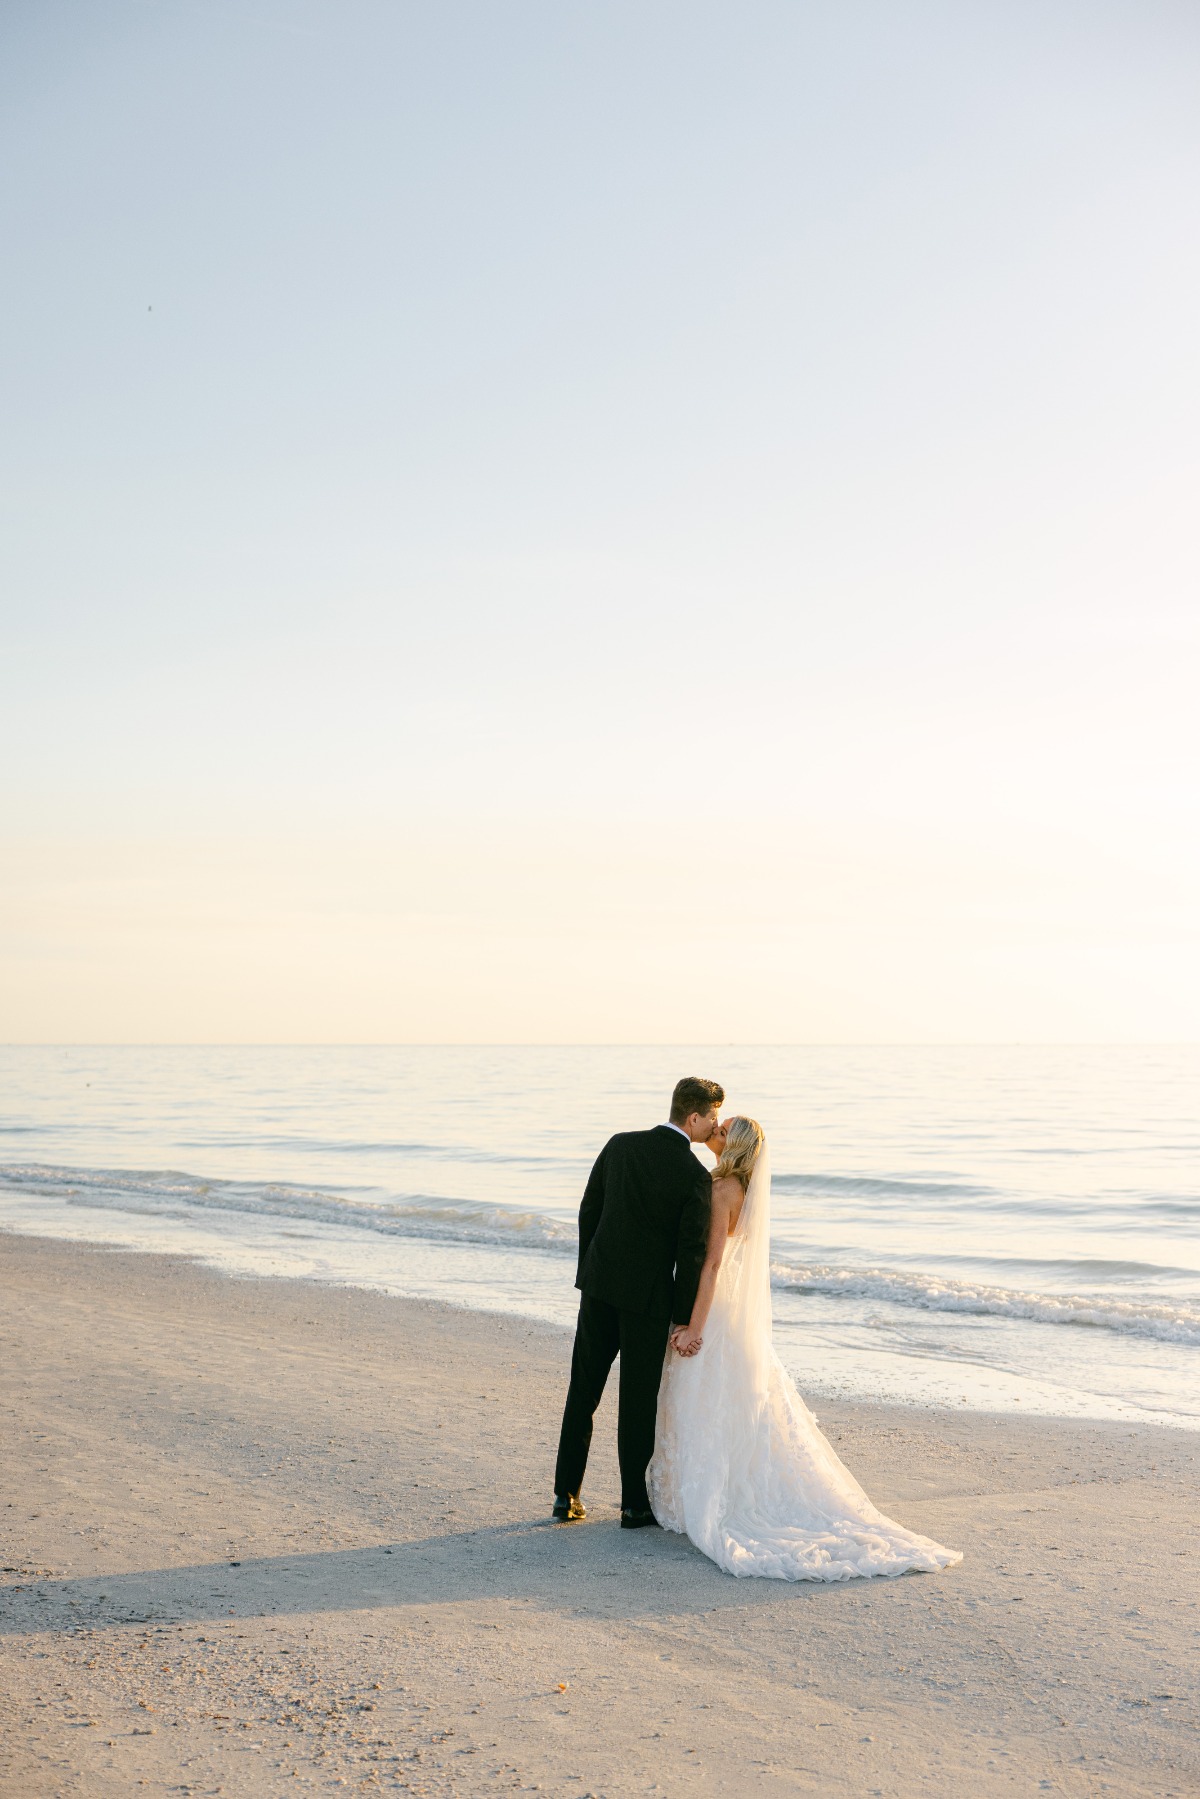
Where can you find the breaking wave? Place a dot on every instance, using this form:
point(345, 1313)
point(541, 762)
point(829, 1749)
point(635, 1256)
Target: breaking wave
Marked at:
point(156, 1192)
point(1166, 1320)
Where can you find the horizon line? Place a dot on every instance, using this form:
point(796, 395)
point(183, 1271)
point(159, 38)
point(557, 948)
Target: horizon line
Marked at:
point(617, 1043)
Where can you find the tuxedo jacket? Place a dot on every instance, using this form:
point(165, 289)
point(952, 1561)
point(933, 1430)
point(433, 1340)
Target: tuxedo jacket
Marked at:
point(643, 1224)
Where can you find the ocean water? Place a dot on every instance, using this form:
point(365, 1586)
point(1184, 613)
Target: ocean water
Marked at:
point(1004, 1228)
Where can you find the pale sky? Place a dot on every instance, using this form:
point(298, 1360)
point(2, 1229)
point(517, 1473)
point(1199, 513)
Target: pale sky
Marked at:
point(619, 522)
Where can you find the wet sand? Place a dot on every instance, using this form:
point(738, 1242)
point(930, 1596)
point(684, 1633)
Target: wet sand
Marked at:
point(266, 1536)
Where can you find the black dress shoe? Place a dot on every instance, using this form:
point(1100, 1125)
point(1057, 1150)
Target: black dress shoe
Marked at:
point(568, 1509)
point(631, 1520)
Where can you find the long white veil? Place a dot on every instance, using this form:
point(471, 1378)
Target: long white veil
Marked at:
point(746, 1280)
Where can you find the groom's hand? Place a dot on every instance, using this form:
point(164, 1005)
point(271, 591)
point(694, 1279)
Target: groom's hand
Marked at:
point(685, 1341)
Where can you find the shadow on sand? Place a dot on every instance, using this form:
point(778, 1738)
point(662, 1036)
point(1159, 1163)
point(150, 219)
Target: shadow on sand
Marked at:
point(588, 1570)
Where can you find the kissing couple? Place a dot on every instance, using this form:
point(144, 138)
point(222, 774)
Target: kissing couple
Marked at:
point(713, 1439)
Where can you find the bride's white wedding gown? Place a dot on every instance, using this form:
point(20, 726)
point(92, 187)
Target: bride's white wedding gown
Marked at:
point(739, 1464)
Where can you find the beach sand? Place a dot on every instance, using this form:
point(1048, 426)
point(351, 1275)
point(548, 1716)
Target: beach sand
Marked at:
point(264, 1536)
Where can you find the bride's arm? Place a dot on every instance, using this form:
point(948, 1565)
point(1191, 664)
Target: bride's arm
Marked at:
point(725, 1195)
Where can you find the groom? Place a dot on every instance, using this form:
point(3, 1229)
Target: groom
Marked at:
point(643, 1233)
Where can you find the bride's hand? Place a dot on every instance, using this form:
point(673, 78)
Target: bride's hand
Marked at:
point(686, 1341)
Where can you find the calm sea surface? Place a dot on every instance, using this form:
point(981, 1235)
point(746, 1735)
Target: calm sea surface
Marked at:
point(1000, 1228)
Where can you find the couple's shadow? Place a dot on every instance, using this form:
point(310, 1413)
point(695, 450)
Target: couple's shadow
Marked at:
point(592, 1569)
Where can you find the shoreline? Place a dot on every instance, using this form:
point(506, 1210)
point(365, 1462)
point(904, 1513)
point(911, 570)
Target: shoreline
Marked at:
point(870, 1372)
point(259, 1524)
point(199, 1261)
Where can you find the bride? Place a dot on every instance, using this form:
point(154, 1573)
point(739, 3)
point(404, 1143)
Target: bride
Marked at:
point(739, 1464)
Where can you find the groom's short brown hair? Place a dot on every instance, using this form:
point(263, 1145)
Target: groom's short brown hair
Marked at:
point(694, 1095)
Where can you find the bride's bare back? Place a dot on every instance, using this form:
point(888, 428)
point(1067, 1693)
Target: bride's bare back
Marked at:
point(728, 1198)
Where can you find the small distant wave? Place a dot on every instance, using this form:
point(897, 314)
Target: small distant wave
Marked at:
point(864, 1186)
point(1171, 1208)
point(882, 1191)
point(155, 1192)
point(335, 1146)
point(1164, 1320)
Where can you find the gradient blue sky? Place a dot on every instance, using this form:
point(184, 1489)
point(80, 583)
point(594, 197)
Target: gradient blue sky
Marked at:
point(625, 522)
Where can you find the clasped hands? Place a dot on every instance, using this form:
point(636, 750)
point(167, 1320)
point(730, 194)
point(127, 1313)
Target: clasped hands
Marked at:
point(684, 1340)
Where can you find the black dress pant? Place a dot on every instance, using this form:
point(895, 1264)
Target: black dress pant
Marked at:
point(641, 1338)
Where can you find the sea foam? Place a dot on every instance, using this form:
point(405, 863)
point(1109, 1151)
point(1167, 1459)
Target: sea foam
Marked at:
point(1167, 1321)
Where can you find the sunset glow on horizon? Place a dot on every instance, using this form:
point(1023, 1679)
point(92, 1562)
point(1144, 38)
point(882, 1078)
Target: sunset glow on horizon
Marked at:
point(614, 525)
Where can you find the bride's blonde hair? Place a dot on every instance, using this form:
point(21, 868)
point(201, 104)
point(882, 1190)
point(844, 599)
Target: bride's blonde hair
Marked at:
point(741, 1149)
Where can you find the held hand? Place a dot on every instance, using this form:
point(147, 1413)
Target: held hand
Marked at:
point(686, 1341)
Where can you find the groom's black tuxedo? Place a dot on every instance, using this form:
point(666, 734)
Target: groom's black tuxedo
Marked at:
point(643, 1223)
point(643, 1233)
